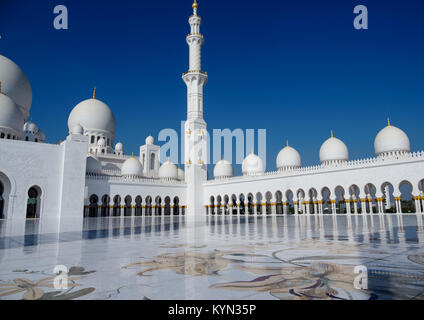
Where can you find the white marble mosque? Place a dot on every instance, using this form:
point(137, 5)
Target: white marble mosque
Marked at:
point(129, 227)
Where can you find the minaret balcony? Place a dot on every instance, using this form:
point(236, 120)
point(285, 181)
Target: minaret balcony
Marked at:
point(195, 71)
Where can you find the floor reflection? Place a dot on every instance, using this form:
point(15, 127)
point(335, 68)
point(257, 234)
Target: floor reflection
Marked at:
point(224, 257)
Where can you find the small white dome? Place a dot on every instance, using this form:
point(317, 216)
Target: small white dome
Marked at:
point(93, 115)
point(10, 115)
point(30, 127)
point(333, 150)
point(93, 164)
point(168, 171)
point(252, 165)
point(181, 174)
point(150, 140)
point(77, 129)
point(119, 147)
point(223, 169)
point(391, 139)
point(288, 158)
point(15, 84)
point(132, 167)
point(101, 142)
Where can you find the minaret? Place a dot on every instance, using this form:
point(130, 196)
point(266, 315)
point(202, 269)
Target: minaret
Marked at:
point(195, 127)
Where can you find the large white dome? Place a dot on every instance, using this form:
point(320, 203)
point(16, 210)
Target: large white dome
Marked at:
point(93, 114)
point(223, 169)
point(93, 164)
point(391, 139)
point(288, 158)
point(15, 84)
point(11, 116)
point(333, 150)
point(132, 167)
point(252, 165)
point(168, 171)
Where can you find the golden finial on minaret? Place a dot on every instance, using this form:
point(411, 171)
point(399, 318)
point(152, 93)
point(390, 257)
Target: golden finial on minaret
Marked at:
point(195, 5)
point(132, 156)
point(332, 134)
point(287, 143)
point(94, 92)
point(388, 122)
point(223, 157)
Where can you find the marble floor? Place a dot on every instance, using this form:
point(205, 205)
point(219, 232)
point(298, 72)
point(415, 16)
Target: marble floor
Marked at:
point(224, 257)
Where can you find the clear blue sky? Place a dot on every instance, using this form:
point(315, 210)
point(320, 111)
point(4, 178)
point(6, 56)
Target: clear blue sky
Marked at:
point(295, 68)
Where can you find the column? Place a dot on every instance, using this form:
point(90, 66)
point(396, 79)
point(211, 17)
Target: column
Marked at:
point(348, 208)
point(363, 206)
point(296, 209)
point(320, 208)
point(398, 205)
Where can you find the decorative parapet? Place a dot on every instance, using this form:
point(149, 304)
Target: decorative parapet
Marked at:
point(348, 165)
point(107, 175)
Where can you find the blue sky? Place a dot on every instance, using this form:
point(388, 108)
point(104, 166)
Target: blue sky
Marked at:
point(295, 68)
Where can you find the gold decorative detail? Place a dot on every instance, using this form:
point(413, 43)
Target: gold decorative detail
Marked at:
point(94, 92)
point(388, 122)
point(332, 134)
point(287, 143)
point(189, 132)
point(195, 5)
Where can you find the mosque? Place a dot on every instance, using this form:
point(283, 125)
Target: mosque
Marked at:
point(89, 175)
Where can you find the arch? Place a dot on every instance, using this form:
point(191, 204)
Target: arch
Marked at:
point(219, 204)
point(212, 205)
point(259, 199)
point(234, 202)
point(268, 199)
point(6, 188)
point(158, 206)
point(176, 206)
point(105, 211)
point(34, 202)
point(312, 201)
point(148, 209)
point(340, 199)
point(242, 200)
point(128, 206)
point(167, 206)
point(354, 196)
point(370, 195)
point(279, 202)
point(387, 190)
point(138, 206)
point(226, 203)
point(406, 202)
point(289, 201)
point(250, 203)
point(116, 206)
point(326, 200)
point(300, 197)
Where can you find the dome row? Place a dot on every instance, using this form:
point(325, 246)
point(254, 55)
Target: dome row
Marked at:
point(389, 141)
point(132, 168)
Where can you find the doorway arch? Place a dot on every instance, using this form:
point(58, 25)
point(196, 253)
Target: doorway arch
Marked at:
point(33, 203)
